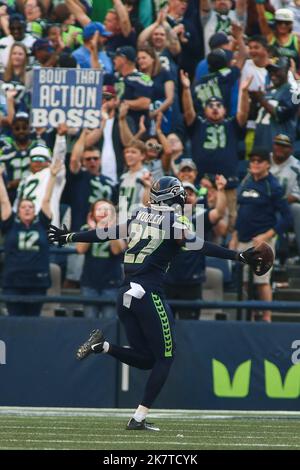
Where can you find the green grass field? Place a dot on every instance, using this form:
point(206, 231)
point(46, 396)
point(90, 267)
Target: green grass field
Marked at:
point(66, 428)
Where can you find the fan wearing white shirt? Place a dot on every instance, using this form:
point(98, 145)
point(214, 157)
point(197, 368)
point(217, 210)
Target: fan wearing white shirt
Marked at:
point(17, 28)
point(217, 15)
point(34, 185)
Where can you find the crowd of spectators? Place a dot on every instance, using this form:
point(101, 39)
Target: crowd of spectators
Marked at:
point(205, 90)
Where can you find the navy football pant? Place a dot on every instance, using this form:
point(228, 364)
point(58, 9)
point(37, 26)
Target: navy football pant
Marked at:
point(149, 327)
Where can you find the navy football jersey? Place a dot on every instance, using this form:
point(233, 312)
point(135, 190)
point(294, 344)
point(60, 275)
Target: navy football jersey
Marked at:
point(154, 239)
point(26, 251)
point(188, 267)
point(102, 269)
point(84, 189)
point(215, 148)
point(285, 119)
point(221, 84)
point(133, 86)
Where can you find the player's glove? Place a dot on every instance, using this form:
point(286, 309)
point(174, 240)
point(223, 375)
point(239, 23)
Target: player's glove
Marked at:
point(260, 258)
point(61, 236)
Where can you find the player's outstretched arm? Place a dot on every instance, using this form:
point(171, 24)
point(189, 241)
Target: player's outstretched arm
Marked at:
point(62, 236)
point(259, 258)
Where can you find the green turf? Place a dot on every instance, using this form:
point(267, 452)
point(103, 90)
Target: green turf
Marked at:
point(182, 431)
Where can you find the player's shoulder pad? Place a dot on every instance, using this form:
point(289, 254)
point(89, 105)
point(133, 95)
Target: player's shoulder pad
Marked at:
point(182, 222)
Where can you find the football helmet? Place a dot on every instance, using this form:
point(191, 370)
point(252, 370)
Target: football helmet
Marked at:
point(167, 191)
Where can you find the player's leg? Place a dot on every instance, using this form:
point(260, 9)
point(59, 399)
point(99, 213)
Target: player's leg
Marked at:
point(137, 355)
point(156, 321)
point(157, 325)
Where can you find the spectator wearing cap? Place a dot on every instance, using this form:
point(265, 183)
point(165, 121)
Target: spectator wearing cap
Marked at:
point(108, 136)
point(186, 274)
point(33, 186)
point(91, 54)
point(218, 41)
point(263, 212)
point(278, 109)
point(14, 152)
point(17, 29)
point(222, 78)
point(281, 37)
point(220, 82)
point(218, 15)
point(133, 87)
point(214, 138)
point(286, 168)
point(187, 171)
point(44, 53)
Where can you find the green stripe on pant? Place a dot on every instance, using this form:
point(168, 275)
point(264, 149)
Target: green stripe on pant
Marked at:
point(165, 324)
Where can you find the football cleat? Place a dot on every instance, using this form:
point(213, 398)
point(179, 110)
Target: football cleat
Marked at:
point(93, 345)
point(134, 425)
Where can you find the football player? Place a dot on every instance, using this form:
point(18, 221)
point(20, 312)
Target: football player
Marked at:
point(156, 234)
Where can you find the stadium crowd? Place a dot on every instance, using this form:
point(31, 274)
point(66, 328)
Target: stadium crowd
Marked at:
point(203, 90)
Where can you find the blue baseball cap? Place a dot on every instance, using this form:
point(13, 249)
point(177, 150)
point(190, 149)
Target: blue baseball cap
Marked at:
point(126, 51)
point(42, 44)
point(90, 29)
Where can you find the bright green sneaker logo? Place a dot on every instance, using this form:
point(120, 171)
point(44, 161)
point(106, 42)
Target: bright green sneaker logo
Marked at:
point(239, 388)
point(278, 388)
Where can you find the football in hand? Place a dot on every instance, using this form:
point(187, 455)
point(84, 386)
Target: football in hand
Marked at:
point(264, 256)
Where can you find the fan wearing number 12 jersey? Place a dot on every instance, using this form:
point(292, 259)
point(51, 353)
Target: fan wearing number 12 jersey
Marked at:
point(156, 235)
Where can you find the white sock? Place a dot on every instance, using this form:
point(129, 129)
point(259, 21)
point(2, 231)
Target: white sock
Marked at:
point(140, 413)
point(105, 347)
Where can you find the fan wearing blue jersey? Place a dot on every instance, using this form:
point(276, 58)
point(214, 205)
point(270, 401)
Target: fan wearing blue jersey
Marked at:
point(26, 250)
point(156, 235)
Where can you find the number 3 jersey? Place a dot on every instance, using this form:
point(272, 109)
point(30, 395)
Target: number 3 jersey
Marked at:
point(154, 239)
point(26, 252)
point(215, 148)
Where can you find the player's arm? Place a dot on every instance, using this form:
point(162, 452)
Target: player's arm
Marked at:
point(260, 258)
point(64, 236)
